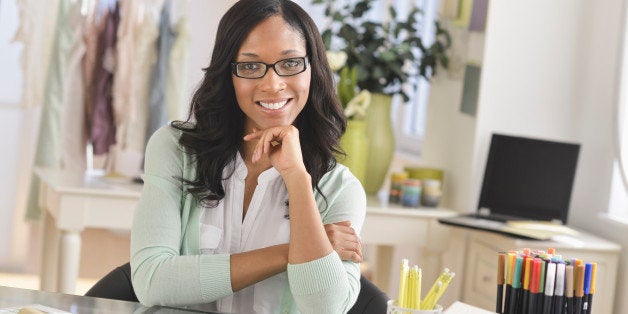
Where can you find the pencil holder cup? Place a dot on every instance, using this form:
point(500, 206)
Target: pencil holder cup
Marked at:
point(394, 309)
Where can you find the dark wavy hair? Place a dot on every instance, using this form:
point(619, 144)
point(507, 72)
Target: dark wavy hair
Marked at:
point(213, 131)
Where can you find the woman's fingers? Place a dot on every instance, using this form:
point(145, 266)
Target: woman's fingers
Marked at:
point(280, 144)
point(345, 241)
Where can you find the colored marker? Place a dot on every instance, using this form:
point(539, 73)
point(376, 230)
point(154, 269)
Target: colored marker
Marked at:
point(559, 290)
point(501, 265)
point(569, 288)
point(592, 292)
point(587, 287)
point(550, 278)
point(534, 285)
point(526, 284)
point(541, 295)
point(516, 286)
point(510, 267)
point(579, 292)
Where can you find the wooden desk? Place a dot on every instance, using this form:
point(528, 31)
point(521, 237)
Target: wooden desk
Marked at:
point(479, 263)
point(15, 297)
point(73, 202)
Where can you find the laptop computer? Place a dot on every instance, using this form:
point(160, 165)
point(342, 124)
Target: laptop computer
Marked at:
point(524, 179)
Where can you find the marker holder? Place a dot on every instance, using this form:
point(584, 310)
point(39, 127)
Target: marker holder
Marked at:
point(394, 309)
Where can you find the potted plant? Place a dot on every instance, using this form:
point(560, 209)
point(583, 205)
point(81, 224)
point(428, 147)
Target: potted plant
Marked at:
point(353, 142)
point(384, 58)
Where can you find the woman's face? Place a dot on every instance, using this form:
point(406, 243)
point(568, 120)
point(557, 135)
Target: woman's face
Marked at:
point(272, 100)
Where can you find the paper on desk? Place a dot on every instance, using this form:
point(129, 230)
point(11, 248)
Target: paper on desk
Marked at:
point(463, 308)
point(39, 307)
point(545, 228)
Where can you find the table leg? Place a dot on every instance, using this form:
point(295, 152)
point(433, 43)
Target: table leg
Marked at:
point(69, 256)
point(49, 256)
point(383, 261)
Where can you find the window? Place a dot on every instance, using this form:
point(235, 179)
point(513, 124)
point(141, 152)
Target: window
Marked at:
point(408, 119)
point(618, 203)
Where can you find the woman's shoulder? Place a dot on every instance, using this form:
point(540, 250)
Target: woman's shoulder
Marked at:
point(339, 177)
point(166, 134)
point(164, 139)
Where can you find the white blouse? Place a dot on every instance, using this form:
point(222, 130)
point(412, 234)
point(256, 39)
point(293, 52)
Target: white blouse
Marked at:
point(266, 223)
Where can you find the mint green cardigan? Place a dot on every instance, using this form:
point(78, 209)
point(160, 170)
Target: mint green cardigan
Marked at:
point(168, 269)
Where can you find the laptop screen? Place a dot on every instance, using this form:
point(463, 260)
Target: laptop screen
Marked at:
point(529, 178)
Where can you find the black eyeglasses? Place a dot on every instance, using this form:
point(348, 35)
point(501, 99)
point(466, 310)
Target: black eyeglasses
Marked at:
point(255, 70)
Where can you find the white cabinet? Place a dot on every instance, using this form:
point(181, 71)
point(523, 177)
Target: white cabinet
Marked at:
point(480, 264)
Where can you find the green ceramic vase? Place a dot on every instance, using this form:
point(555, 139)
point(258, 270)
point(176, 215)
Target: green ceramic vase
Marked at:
point(355, 144)
point(381, 142)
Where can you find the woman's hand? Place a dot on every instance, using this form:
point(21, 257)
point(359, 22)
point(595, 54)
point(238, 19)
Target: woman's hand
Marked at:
point(345, 241)
point(282, 146)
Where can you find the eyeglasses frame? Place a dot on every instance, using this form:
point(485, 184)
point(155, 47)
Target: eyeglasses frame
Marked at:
point(234, 67)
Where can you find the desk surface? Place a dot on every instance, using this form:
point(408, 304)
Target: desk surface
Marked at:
point(79, 183)
point(16, 297)
point(75, 201)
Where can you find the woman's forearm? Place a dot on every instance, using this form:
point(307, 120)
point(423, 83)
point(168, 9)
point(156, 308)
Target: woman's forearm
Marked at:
point(250, 267)
point(308, 239)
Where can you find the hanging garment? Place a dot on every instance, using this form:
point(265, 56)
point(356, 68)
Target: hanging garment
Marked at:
point(123, 100)
point(49, 144)
point(103, 132)
point(123, 83)
point(74, 133)
point(92, 30)
point(177, 70)
point(37, 21)
point(158, 112)
point(144, 59)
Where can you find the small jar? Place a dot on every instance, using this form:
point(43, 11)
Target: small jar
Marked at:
point(396, 187)
point(411, 193)
point(431, 193)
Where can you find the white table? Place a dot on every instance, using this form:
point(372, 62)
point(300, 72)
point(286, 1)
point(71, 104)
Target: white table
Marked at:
point(73, 202)
point(406, 231)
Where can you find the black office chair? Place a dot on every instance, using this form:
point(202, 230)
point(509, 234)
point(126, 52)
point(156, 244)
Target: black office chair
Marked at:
point(117, 285)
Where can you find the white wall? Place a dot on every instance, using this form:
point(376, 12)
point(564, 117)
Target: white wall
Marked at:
point(549, 71)
point(11, 117)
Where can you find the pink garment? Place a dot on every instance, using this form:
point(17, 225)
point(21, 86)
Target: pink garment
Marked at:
point(103, 126)
point(91, 34)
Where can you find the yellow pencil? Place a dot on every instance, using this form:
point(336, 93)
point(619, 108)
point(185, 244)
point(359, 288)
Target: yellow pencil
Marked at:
point(416, 287)
point(403, 276)
point(442, 289)
point(437, 291)
point(410, 291)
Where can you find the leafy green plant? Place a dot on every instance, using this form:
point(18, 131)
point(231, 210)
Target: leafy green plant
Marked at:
point(384, 55)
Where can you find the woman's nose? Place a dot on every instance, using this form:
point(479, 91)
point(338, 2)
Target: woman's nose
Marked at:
point(272, 82)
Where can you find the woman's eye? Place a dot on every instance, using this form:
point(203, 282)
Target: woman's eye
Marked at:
point(291, 63)
point(250, 66)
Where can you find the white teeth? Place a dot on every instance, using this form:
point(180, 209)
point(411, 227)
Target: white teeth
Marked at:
point(275, 105)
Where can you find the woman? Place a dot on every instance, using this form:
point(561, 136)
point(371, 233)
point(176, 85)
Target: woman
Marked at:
point(246, 205)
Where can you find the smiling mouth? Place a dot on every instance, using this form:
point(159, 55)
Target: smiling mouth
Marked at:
point(273, 105)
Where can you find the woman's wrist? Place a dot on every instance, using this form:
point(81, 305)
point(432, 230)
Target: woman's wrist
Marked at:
point(296, 175)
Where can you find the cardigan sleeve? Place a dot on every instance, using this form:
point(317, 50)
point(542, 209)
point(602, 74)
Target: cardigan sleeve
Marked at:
point(160, 275)
point(328, 284)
